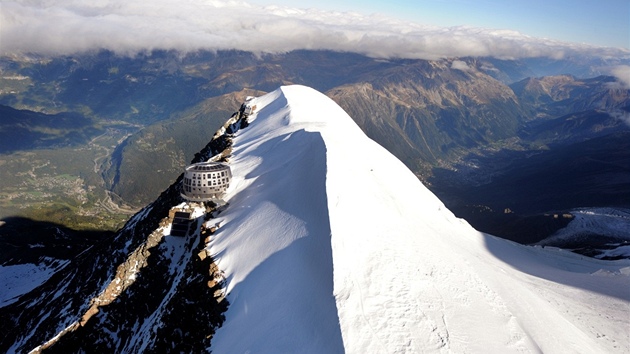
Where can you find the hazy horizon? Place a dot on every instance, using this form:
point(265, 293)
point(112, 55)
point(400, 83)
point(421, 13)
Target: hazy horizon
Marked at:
point(128, 27)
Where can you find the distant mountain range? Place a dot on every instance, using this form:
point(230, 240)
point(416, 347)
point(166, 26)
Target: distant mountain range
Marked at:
point(28, 130)
point(456, 122)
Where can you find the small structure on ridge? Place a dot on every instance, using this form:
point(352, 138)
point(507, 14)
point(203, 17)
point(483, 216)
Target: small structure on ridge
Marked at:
point(181, 223)
point(247, 108)
point(206, 181)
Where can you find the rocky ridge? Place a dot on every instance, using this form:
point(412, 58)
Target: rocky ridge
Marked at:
point(140, 290)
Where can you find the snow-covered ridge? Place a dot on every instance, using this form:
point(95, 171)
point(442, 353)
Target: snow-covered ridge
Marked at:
point(330, 244)
point(614, 223)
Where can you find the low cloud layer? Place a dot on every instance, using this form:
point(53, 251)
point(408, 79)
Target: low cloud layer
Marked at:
point(621, 115)
point(622, 74)
point(128, 27)
point(460, 65)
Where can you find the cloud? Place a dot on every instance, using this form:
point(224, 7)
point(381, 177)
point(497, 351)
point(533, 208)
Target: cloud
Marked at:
point(460, 65)
point(622, 74)
point(131, 26)
point(621, 115)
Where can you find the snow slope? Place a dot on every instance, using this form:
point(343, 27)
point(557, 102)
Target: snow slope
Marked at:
point(19, 279)
point(330, 244)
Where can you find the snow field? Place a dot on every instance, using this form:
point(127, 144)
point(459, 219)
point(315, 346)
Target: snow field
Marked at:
point(19, 279)
point(330, 244)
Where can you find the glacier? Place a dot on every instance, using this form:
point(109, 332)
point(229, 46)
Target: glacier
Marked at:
point(330, 245)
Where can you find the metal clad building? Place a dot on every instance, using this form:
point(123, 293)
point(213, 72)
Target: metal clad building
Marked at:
point(205, 181)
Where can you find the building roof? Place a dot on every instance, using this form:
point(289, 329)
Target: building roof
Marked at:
point(207, 166)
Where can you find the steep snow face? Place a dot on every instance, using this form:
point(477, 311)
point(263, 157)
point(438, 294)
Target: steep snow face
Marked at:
point(19, 279)
point(330, 244)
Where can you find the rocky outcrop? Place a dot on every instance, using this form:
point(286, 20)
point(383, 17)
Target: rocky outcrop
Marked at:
point(141, 290)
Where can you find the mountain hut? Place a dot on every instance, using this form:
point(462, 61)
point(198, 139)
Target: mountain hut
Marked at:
point(206, 181)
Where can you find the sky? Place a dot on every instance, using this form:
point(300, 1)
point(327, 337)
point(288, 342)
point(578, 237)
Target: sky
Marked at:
point(596, 22)
point(393, 29)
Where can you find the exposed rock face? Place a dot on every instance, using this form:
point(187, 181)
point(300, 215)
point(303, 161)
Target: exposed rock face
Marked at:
point(555, 96)
point(136, 291)
point(424, 111)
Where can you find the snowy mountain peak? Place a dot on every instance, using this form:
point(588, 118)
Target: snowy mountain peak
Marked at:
point(330, 244)
point(327, 244)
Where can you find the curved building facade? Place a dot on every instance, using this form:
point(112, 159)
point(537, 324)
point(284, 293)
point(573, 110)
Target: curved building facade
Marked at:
point(205, 181)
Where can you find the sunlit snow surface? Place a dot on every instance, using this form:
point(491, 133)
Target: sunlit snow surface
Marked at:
point(330, 244)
